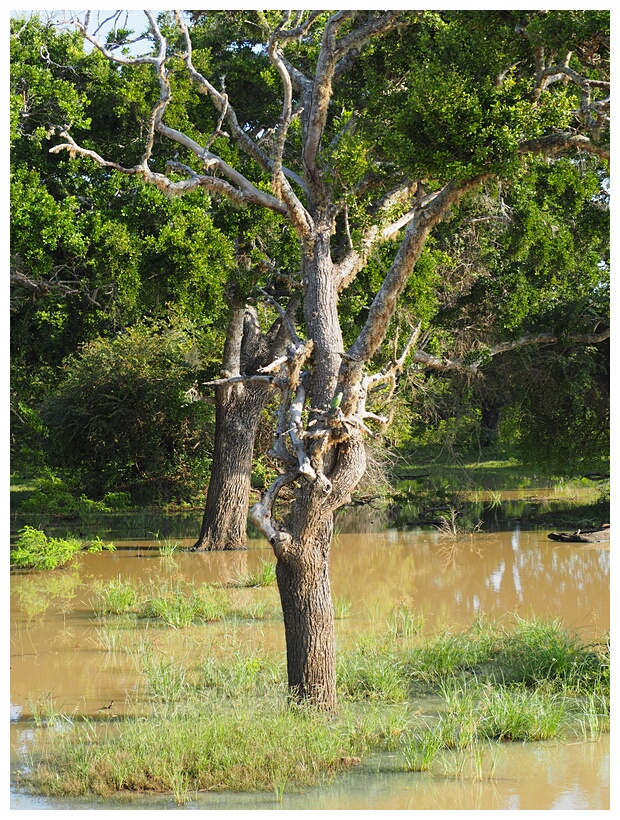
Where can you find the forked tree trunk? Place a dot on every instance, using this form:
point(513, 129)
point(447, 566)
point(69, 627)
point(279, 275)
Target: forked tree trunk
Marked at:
point(238, 408)
point(237, 415)
point(304, 555)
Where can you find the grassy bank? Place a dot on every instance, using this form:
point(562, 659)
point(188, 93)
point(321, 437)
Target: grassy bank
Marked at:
point(493, 468)
point(437, 703)
point(419, 495)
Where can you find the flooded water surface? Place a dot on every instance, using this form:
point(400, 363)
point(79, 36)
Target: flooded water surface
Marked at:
point(61, 653)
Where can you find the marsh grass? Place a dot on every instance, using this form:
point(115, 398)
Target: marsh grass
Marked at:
point(591, 716)
point(263, 576)
point(376, 675)
point(115, 597)
point(441, 704)
point(216, 748)
point(180, 605)
point(171, 602)
point(342, 607)
point(420, 751)
point(243, 674)
point(166, 547)
point(167, 680)
point(405, 622)
point(109, 640)
point(477, 763)
point(504, 714)
point(536, 650)
point(44, 710)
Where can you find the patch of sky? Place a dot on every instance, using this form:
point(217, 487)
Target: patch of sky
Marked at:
point(103, 23)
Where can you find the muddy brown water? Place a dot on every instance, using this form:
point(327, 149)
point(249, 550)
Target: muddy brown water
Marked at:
point(59, 651)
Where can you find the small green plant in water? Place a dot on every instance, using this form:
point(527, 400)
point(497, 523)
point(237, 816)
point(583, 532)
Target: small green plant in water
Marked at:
point(342, 607)
point(420, 752)
point(44, 711)
point(263, 576)
point(495, 499)
point(167, 680)
point(405, 622)
point(34, 550)
point(116, 597)
point(166, 546)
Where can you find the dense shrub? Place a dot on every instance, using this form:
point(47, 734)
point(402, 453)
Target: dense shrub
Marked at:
point(122, 419)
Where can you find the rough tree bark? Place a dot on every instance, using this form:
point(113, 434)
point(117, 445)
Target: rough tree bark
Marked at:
point(238, 408)
point(323, 388)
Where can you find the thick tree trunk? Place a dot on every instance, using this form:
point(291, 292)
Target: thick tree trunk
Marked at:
point(238, 408)
point(238, 411)
point(303, 579)
point(305, 594)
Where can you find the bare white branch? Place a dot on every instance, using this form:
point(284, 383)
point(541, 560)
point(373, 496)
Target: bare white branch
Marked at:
point(297, 405)
point(261, 515)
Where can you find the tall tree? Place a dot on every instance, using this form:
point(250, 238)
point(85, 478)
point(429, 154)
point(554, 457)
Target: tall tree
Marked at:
point(388, 120)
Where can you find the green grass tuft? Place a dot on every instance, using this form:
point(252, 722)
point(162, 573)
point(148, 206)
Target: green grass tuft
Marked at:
point(263, 576)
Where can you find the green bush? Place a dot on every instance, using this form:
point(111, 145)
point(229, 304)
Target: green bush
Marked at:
point(123, 423)
point(117, 501)
point(51, 497)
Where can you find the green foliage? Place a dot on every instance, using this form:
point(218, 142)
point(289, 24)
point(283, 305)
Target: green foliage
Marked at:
point(117, 501)
point(561, 422)
point(53, 497)
point(454, 118)
point(34, 550)
point(122, 418)
point(38, 98)
point(110, 250)
point(447, 97)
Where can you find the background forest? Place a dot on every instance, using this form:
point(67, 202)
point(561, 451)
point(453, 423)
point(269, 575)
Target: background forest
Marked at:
point(121, 295)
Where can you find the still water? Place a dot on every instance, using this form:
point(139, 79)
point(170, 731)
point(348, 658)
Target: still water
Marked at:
point(59, 651)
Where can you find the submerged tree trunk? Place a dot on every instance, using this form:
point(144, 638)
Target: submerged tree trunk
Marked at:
point(304, 583)
point(238, 408)
point(238, 411)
